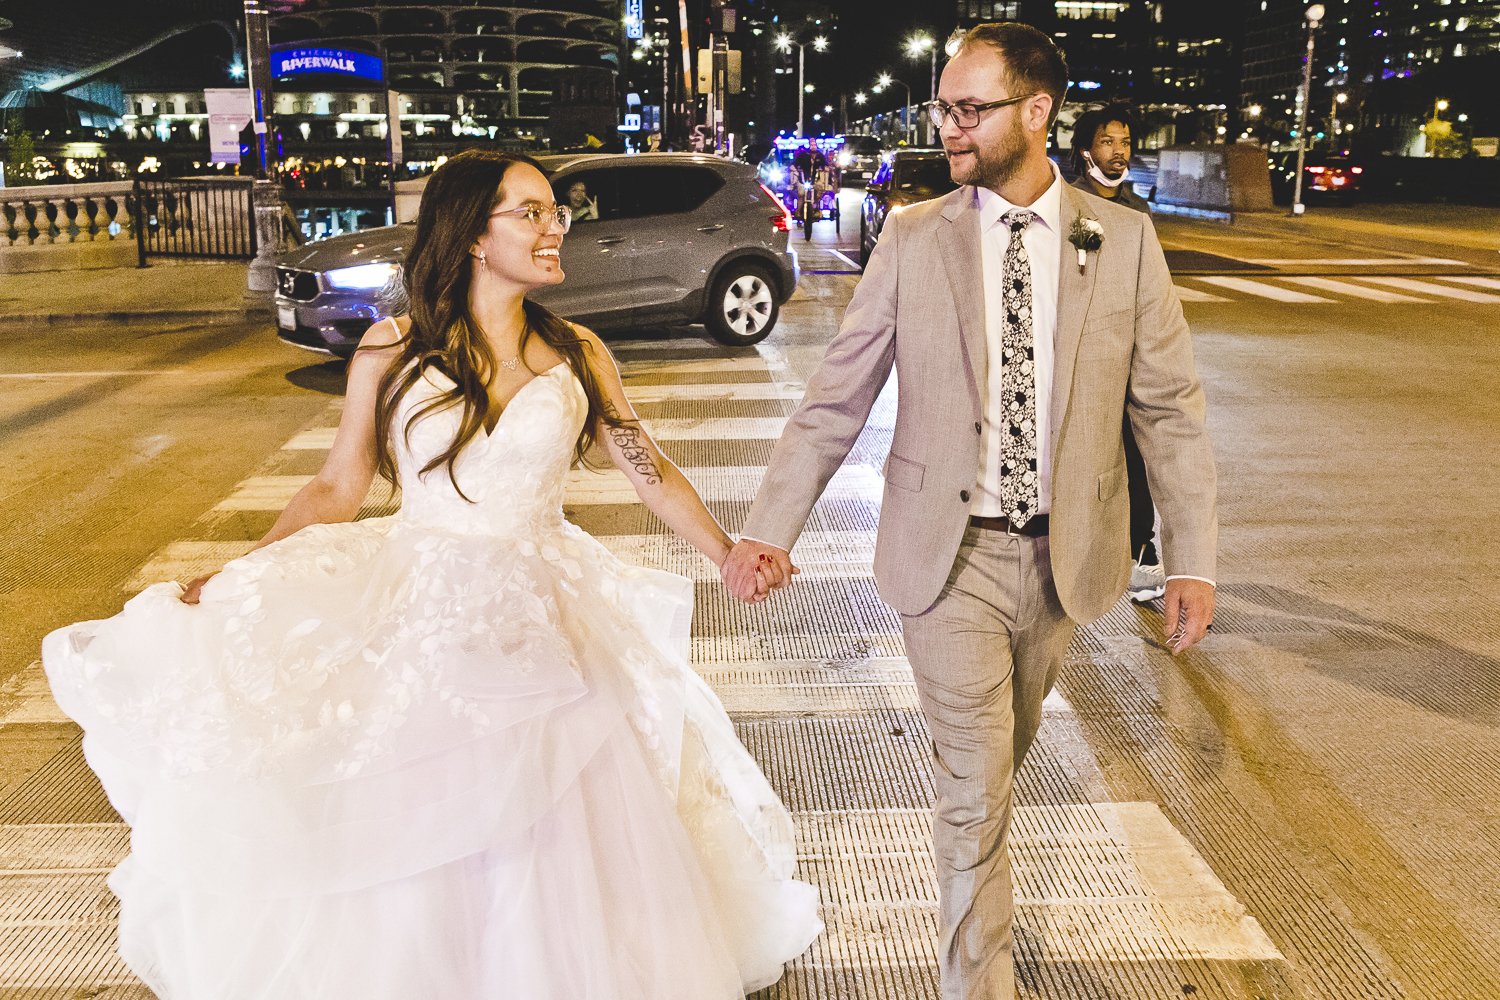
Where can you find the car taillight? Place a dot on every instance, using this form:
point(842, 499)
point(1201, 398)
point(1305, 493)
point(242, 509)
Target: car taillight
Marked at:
point(782, 220)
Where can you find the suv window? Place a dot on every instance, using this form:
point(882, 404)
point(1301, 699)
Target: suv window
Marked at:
point(665, 190)
point(927, 175)
point(593, 195)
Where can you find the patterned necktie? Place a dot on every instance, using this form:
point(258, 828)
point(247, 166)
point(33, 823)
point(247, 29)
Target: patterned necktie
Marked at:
point(1019, 489)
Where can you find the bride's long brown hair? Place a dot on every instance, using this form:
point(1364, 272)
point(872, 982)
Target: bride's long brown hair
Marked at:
point(434, 291)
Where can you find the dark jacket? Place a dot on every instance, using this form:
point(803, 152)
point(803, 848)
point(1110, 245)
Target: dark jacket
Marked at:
point(1127, 198)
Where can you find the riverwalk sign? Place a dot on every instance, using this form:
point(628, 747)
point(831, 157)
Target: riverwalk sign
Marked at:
point(301, 60)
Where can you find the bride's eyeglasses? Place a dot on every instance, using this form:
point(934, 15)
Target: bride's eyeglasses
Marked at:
point(542, 216)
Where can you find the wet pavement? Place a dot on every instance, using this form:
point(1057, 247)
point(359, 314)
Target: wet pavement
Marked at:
point(1302, 808)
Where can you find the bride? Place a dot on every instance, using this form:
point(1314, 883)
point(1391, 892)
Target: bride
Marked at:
point(457, 752)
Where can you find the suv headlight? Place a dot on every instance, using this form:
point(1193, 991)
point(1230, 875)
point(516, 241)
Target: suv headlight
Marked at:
point(361, 277)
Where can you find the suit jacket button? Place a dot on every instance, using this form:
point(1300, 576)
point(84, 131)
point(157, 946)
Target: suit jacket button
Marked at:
point(978, 429)
point(963, 495)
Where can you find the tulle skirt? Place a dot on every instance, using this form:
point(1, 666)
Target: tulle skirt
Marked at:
point(383, 761)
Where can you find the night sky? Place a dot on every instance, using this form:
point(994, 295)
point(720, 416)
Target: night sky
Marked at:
point(871, 33)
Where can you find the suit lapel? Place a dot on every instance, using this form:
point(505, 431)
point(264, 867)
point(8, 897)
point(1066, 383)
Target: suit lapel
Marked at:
point(963, 261)
point(1075, 290)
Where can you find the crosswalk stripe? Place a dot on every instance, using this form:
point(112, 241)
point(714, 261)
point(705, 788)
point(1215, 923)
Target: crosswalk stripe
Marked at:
point(710, 390)
point(1100, 882)
point(585, 487)
point(1346, 287)
point(1475, 280)
point(716, 429)
point(819, 554)
point(845, 258)
point(184, 560)
point(706, 366)
point(1263, 289)
point(619, 347)
point(661, 428)
point(25, 698)
point(1432, 288)
point(716, 484)
point(1354, 261)
point(1188, 293)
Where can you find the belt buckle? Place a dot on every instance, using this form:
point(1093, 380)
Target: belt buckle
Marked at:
point(1011, 529)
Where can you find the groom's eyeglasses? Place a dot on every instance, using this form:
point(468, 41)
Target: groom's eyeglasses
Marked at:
point(542, 216)
point(964, 114)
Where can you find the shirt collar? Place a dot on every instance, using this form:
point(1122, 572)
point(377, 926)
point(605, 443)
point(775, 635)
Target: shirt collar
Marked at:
point(1048, 207)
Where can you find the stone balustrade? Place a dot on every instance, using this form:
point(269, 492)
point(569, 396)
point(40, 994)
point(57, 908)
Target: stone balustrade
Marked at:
point(59, 227)
point(65, 213)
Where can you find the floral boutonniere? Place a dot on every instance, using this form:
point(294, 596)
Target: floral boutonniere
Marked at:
point(1086, 235)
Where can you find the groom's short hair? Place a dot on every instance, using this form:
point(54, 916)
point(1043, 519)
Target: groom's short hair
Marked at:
point(1033, 62)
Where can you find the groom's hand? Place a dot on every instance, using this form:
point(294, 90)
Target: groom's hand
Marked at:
point(1188, 612)
point(753, 569)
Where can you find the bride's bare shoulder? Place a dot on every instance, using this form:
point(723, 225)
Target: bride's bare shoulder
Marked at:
point(383, 338)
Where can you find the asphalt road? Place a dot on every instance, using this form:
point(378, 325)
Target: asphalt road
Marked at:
point(1329, 754)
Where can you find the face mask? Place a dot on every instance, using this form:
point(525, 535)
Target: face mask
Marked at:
point(1100, 177)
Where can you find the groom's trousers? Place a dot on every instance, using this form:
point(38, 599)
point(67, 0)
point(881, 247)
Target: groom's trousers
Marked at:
point(984, 657)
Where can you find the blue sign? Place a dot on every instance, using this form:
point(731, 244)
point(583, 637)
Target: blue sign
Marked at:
point(299, 60)
point(635, 18)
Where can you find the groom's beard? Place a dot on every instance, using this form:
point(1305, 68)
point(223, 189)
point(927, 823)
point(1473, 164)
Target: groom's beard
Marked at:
point(994, 164)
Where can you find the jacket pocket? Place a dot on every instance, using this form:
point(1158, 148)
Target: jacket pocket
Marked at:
point(1111, 481)
point(903, 473)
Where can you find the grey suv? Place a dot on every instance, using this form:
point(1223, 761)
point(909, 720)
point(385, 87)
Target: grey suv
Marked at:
point(658, 238)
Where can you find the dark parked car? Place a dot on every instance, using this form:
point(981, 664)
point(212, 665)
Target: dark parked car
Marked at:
point(671, 238)
point(859, 158)
point(1325, 176)
point(905, 177)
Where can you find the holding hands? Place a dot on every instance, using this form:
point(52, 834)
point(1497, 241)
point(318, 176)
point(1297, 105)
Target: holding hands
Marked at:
point(753, 569)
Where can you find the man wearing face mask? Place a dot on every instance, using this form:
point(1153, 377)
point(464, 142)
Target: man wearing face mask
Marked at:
point(1101, 156)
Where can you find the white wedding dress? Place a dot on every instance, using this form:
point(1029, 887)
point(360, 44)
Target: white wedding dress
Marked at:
point(457, 753)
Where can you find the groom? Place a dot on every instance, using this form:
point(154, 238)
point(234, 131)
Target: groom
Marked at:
point(1004, 519)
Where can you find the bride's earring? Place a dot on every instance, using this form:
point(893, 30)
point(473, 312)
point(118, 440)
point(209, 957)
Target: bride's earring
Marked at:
point(481, 258)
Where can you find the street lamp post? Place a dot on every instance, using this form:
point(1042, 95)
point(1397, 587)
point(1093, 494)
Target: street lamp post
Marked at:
point(885, 81)
point(265, 192)
point(915, 46)
point(784, 43)
point(1314, 15)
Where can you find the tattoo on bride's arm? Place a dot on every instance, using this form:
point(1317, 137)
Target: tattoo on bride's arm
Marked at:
point(627, 438)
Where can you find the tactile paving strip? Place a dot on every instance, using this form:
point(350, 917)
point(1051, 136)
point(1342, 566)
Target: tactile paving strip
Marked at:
point(57, 916)
point(1330, 958)
point(63, 790)
point(1088, 924)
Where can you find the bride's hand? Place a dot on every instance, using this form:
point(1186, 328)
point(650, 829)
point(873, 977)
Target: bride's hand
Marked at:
point(194, 588)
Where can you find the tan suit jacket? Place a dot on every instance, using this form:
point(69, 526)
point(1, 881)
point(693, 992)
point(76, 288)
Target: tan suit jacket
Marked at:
point(1122, 345)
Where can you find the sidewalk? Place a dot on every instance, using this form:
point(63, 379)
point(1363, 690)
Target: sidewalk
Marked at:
point(213, 291)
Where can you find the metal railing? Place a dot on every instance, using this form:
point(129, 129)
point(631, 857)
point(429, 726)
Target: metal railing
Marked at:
point(198, 217)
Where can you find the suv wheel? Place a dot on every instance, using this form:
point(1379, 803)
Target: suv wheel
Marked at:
point(742, 306)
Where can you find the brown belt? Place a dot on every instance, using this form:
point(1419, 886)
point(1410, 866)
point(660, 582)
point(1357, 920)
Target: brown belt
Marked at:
point(1035, 527)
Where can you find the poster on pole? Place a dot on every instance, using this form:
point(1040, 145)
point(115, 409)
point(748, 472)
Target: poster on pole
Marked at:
point(229, 111)
point(393, 126)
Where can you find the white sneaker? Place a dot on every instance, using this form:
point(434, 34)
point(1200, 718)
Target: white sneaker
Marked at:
point(1147, 582)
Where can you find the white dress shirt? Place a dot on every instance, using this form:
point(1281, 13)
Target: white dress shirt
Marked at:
point(1043, 242)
